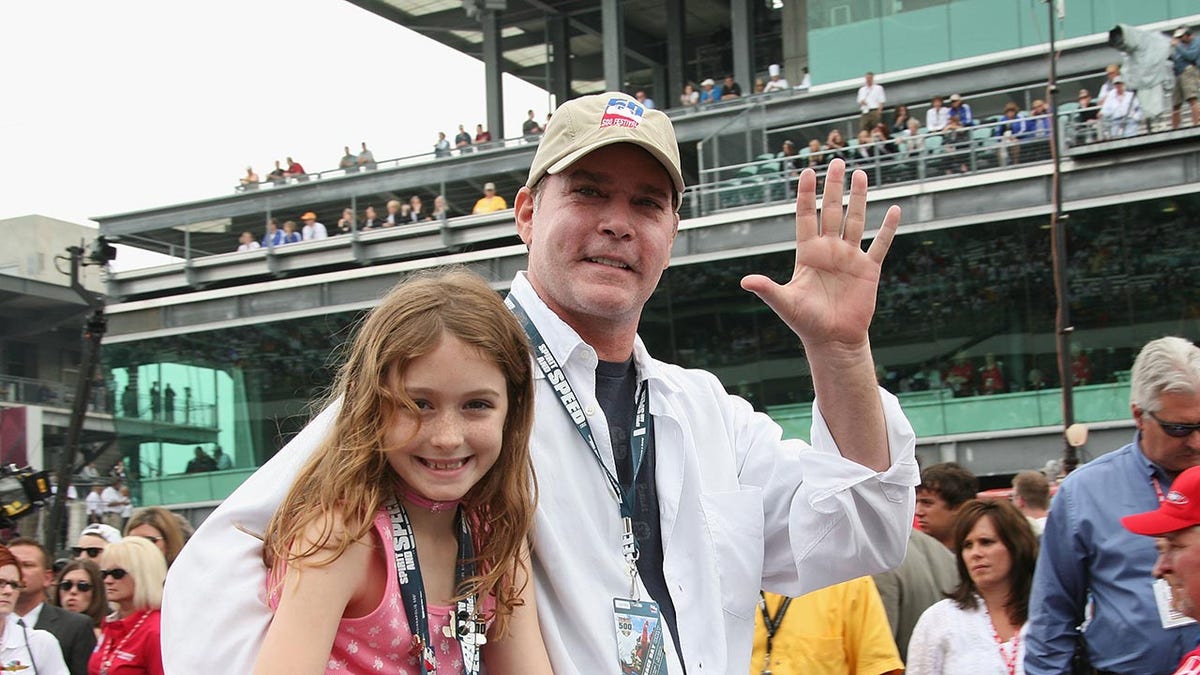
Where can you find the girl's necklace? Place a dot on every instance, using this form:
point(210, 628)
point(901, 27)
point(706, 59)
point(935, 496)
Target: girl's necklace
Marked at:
point(110, 649)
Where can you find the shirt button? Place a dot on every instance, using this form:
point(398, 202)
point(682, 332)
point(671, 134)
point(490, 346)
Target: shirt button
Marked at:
point(590, 410)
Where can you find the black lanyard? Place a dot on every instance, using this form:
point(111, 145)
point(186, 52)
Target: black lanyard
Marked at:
point(638, 440)
point(466, 625)
point(772, 623)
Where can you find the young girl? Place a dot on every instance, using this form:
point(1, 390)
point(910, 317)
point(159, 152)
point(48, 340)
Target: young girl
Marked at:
point(402, 545)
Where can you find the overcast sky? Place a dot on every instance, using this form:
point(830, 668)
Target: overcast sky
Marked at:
point(119, 105)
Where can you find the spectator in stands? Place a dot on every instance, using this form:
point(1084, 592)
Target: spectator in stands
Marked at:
point(709, 92)
point(250, 180)
point(991, 378)
point(274, 236)
point(759, 86)
point(224, 463)
point(937, 115)
point(164, 528)
point(290, 235)
point(416, 211)
point(962, 110)
point(1035, 138)
point(277, 176)
point(730, 90)
point(366, 159)
point(1085, 121)
point(1035, 380)
point(777, 81)
point(789, 163)
point(805, 81)
point(313, 229)
point(345, 224)
point(1121, 112)
point(955, 139)
point(115, 502)
point(482, 136)
point(886, 150)
point(246, 242)
point(1081, 366)
point(462, 140)
point(440, 211)
point(640, 97)
point(490, 202)
point(835, 145)
point(871, 98)
point(817, 160)
point(1185, 58)
point(393, 216)
point(690, 96)
point(944, 489)
point(1031, 495)
point(1092, 570)
point(1009, 131)
point(371, 219)
point(294, 170)
point(900, 120)
point(862, 156)
point(530, 128)
point(442, 147)
point(349, 162)
point(1111, 72)
point(200, 462)
point(961, 376)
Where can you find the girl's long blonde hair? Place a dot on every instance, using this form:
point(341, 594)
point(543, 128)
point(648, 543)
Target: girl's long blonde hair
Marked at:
point(349, 474)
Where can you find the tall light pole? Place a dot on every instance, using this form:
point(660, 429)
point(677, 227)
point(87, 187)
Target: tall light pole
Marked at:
point(1058, 233)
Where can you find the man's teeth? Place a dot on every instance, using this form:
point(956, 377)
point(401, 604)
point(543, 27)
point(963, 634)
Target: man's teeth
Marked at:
point(611, 263)
point(444, 466)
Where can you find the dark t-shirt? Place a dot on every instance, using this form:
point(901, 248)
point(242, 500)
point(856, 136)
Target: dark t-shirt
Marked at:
point(530, 128)
point(616, 391)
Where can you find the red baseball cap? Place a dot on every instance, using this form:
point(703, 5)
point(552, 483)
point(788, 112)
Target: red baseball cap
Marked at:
point(1179, 510)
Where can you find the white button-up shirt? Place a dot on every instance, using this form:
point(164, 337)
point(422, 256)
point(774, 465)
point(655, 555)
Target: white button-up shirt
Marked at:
point(740, 509)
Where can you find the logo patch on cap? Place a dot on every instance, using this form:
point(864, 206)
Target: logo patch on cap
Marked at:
point(622, 112)
point(1177, 498)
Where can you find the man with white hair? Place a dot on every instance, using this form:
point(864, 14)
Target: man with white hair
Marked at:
point(1089, 566)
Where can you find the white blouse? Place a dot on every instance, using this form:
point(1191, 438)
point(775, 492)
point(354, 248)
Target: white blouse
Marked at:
point(952, 641)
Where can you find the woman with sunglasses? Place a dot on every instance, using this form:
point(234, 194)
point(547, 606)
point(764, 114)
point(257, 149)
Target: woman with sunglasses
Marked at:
point(22, 648)
point(93, 539)
point(133, 570)
point(163, 527)
point(80, 589)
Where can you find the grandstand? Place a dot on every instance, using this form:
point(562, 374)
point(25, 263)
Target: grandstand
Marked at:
point(969, 277)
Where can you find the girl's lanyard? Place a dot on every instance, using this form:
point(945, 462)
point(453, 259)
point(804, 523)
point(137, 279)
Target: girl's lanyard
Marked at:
point(466, 624)
point(638, 440)
point(772, 624)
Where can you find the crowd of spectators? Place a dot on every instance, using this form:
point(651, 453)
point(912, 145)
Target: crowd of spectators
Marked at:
point(709, 91)
point(396, 213)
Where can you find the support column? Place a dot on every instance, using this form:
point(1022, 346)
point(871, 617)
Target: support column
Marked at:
point(560, 61)
point(740, 14)
point(795, 40)
point(613, 25)
point(493, 71)
point(676, 77)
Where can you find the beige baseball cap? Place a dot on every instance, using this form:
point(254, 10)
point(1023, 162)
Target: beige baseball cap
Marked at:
point(588, 123)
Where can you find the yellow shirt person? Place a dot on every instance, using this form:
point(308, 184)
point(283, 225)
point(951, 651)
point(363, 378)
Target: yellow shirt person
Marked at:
point(839, 630)
point(490, 202)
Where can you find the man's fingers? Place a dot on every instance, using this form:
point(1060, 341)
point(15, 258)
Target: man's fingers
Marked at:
point(883, 238)
point(856, 211)
point(806, 206)
point(831, 203)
